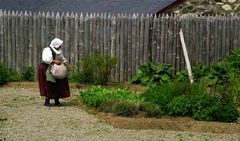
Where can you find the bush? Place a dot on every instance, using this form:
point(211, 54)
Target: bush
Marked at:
point(124, 108)
point(152, 73)
point(14, 75)
point(234, 90)
point(4, 75)
point(211, 108)
point(28, 73)
point(95, 69)
point(227, 112)
point(151, 109)
point(161, 95)
point(234, 59)
point(203, 107)
point(180, 106)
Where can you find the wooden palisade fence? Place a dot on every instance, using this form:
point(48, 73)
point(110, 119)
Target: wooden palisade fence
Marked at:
point(133, 38)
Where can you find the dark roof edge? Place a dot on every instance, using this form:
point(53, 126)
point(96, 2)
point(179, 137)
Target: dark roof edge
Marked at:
point(170, 6)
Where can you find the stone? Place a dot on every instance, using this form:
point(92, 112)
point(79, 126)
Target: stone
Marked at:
point(220, 3)
point(177, 11)
point(226, 7)
point(232, 1)
point(236, 7)
point(208, 7)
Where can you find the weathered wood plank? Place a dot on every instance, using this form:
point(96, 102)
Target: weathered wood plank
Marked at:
point(66, 47)
point(170, 52)
point(1, 36)
point(235, 33)
point(227, 39)
point(35, 50)
point(5, 33)
point(117, 49)
point(75, 37)
point(174, 44)
point(81, 32)
point(71, 43)
point(141, 40)
point(13, 41)
point(9, 46)
point(113, 43)
point(30, 43)
point(178, 44)
point(154, 39)
point(134, 25)
point(129, 47)
point(146, 51)
point(122, 49)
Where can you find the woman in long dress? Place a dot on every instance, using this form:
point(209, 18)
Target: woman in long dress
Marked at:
point(48, 89)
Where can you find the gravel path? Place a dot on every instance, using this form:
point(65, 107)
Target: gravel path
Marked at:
point(24, 118)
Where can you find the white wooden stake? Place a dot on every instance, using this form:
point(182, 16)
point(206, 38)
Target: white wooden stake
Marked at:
point(186, 57)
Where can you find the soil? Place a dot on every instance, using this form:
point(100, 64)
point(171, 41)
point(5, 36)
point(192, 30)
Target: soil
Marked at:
point(22, 112)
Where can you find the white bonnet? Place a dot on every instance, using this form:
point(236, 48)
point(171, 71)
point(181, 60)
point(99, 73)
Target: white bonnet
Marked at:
point(56, 43)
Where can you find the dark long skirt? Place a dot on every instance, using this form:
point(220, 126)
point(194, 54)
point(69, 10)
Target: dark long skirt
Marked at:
point(50, 90)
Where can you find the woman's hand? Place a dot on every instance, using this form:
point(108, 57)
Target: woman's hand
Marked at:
point(56, 62)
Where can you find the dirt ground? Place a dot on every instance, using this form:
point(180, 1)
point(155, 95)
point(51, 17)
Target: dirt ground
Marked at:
point(22, 112)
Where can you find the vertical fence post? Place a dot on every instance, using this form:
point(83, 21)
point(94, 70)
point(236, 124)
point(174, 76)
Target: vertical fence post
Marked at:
point(1, 36)
point(188, 65)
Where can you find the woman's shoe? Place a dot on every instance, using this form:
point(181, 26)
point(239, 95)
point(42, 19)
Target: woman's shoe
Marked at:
point(57, 103)
point(47, 104)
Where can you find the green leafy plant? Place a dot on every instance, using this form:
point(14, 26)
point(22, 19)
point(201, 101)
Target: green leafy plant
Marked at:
point(152, 73)
point(124, 108)
point(161, 95)
point(233, 89)
point(4, 76)
point(200, 71)
point(211, 108)
point(151, 109)
point(234, 59)
point(28, 73)
point(218, 79)
point(14, 75)
point(95, 69)
point(204, 107)
point(181, 76)
point(97, 96)
point(180, 106)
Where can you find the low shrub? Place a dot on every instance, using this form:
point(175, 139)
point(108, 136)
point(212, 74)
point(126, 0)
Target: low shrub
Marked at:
point(152, 110)
point(161, 95)
point(211, 108)
point(98, 96)
point(95, 69)
point(124, 108)
point(227, 112)
point(233, 89)
point(152, 73)
point(4, 75)
point(14, 75)
point(180, 106)
point(28, 73)
point(203, 107)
